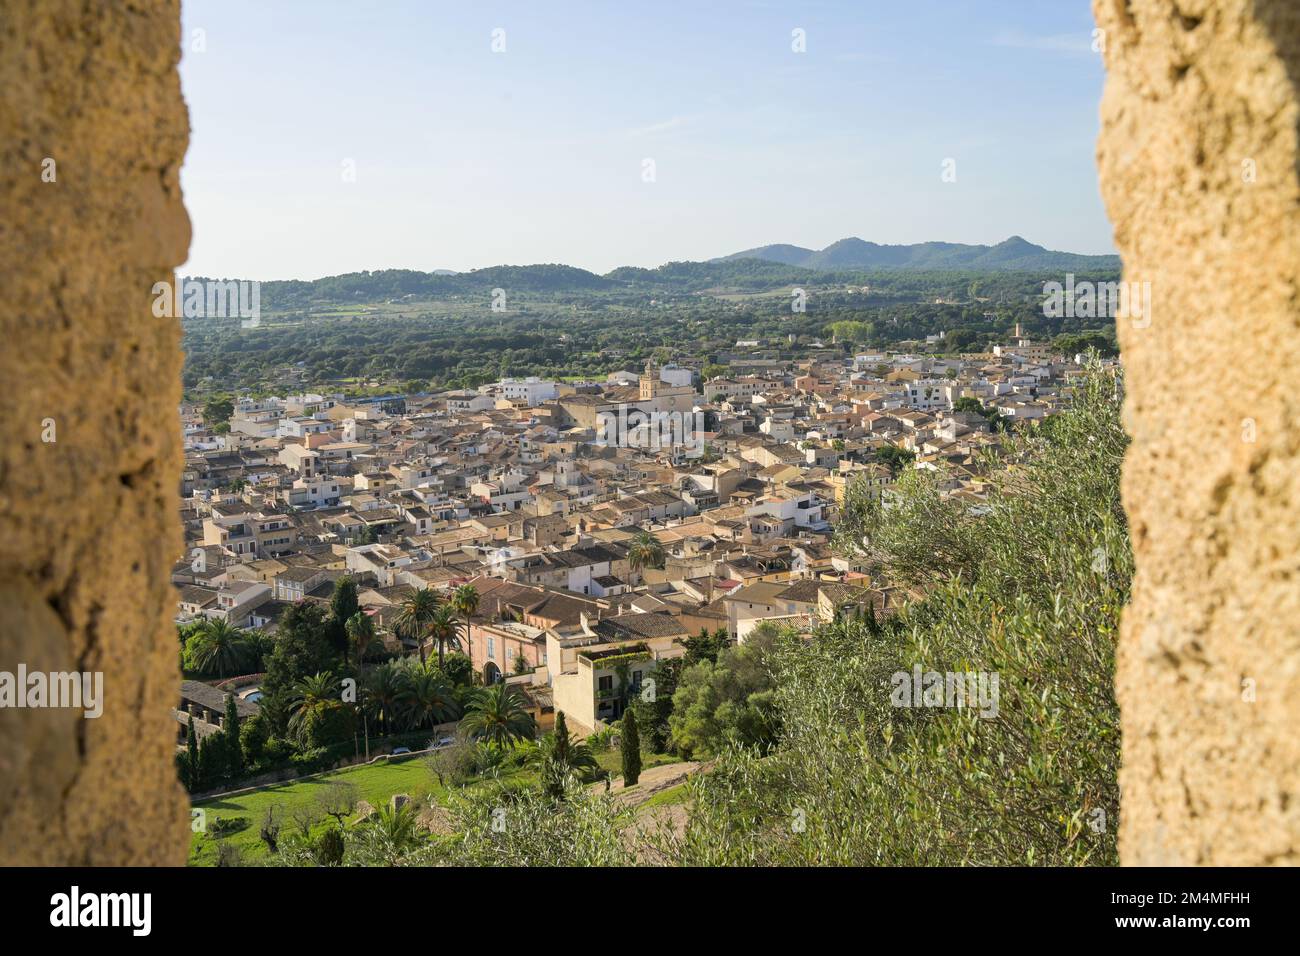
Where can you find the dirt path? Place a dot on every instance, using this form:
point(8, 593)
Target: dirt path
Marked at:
point(652, 781)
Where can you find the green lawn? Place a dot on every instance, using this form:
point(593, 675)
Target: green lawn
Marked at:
point(612, 761)
point(375, 782)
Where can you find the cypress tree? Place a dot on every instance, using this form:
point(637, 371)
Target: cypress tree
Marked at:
point(343, 604)
point(230, 730)
point(556, 763)
point(561, 739)
point(631, 747)
point(192, 755)
point(212, 759)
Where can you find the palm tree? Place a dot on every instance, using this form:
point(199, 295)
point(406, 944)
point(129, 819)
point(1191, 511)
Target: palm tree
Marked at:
point(384, 691)
point(645, 551)
point(313, 698)
point(220, 648)
point(417, 612)
point(392, 832)
point(360, 628)
point(443, 631)
point(496, 714)
point(361, 635)
point(464, 601)
point(428, 699)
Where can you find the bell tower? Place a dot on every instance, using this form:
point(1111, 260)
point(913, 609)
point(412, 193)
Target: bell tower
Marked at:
point(650, 381)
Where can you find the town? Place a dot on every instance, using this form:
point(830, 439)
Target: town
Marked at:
point(593, 547)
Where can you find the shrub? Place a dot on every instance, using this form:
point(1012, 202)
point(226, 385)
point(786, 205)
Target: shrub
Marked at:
point(276, 752)
point(253, 738)
point(228, 854)
point(328, 850)
point(455, 764)
point(520, 826)
point(487, 758)
point(226, 826)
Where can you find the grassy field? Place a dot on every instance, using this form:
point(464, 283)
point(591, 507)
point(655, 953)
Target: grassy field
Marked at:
point(611, 761)
point(376, 783)
point(669, 797)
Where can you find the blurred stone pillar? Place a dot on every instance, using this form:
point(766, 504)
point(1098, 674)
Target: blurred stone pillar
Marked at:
point(92, 133)
point(1198, 163)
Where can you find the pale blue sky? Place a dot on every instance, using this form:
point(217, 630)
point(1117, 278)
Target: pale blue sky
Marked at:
point(467, 158)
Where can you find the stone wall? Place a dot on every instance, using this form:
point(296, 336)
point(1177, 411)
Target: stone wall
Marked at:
point(1198, 161)
point(92, 134)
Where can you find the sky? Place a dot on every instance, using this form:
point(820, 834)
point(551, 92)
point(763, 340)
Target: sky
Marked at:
point(332, 137)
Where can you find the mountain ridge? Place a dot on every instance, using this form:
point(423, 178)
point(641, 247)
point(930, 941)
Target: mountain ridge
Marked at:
point(748, 270)
point(1012, 254)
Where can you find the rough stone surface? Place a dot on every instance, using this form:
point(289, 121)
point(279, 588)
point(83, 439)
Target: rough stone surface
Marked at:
point(1201, 98)
point(88, 525)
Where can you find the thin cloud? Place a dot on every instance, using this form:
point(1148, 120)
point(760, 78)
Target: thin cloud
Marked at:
point(862, 58)
point(655, 129)
point(1056, 43)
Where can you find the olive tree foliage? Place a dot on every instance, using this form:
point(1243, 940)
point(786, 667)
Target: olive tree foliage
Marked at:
point(525, 827)
point(729, 700)
point(508, 825)
point(338, 799)
point(912, 531)
point(497, 824)
point(1028, 588)
point(389, 836)
point(455, 763)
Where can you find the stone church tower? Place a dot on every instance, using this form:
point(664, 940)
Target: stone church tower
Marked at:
point(650, 384)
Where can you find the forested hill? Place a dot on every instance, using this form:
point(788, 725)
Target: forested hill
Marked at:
point(551, 279)
point(750, 274)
